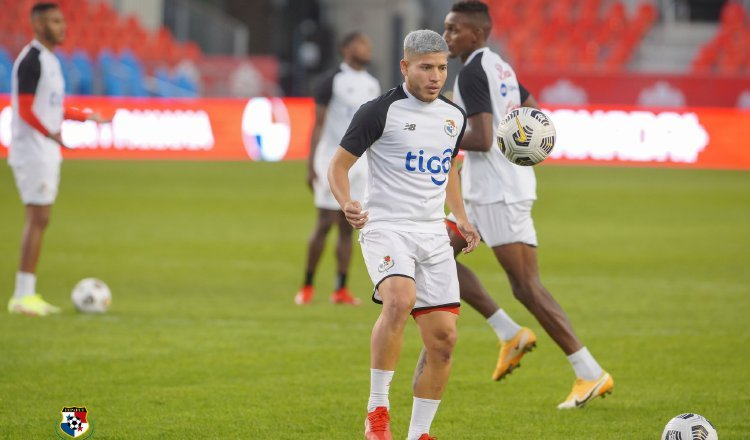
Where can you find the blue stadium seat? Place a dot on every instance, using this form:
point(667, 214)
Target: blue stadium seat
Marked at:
point(135, 76)
point(85, 71)
point(6, 67)
point(70, 74)
point(114, 75)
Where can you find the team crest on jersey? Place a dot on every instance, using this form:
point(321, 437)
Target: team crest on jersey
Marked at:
point(386, 264)
point(74, 423)
point(450, 128)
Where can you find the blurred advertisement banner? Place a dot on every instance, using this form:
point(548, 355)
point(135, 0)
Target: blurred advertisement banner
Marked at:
point(558, 88)
point(272, 129)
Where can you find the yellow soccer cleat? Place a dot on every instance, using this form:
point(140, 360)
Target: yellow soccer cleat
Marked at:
point(32, 305)
point(585, 390)
point(512, 351)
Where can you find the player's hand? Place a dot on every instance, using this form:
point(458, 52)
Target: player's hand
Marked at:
point(470, 235)
point(96, 117)
point(354, 214)
point(57, 137)
point(312, 176)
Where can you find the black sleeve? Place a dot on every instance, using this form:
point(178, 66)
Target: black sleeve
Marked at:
point(324, 90)
point(366, 127)
point(460, 136)
point(475, 88)
point(29, 72)
point(524, 93)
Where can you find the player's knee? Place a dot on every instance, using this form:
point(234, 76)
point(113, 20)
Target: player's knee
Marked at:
point(442, 344)
point(40, 220)
point(398, 306)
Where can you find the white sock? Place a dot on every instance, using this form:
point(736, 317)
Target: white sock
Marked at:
point(422, 414)
point(25, 284)
point(504, 326)
point(380, 383)
point(585, 365)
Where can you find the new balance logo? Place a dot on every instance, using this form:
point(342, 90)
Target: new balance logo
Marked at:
point(410, 127)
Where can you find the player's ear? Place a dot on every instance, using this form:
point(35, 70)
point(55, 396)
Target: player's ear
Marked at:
point(404, 67)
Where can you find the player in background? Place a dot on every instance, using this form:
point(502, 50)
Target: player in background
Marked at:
point(411, 135)
point(498, 197)
point(38, 112)
point(337, 97)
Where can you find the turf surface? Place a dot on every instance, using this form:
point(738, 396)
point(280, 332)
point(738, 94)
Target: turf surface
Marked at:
point(203, 339)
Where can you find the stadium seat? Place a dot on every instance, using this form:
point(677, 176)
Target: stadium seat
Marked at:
point(6, 67)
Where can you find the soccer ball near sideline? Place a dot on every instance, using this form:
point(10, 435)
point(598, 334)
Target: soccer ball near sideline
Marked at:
point(689, 426)
point(526, 136)
point(91, 295)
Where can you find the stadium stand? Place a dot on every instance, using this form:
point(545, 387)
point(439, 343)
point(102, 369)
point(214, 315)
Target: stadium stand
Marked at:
point(104, 52)
point(728, 52)
point(575, 34)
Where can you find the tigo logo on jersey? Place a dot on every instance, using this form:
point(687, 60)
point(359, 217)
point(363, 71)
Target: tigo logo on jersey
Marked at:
point(74, 423)
point(450, 128)
point(433, 165)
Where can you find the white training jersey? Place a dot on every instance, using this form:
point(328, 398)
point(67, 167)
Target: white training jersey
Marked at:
point(36, 73)
point(487, 84)
point(342, 92)
point(409, 144)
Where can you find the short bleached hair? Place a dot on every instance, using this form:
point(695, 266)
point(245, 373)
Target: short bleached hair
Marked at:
point(424, 41)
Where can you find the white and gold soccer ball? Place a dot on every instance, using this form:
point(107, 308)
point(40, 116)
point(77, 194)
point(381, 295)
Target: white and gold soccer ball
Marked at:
point(91, 295)
point(689, 426)
point(526, 136)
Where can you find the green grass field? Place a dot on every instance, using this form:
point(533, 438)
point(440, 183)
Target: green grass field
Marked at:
point(204, 341)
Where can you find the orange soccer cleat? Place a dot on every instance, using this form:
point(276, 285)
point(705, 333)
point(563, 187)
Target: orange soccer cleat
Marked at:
point(512, 351)
point(304, 296)
point(343, 296)
point(378, 424)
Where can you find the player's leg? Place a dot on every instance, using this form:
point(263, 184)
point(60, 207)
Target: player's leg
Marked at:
point(37, 185)
point(398, 294)
point(315, 246)
point(515, 341)
point(438, 331)
point(341, 294)
point(520, 263)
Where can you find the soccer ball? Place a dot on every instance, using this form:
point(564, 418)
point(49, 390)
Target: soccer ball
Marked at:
point(91, 295)
point(689, 426)
point(526, 136)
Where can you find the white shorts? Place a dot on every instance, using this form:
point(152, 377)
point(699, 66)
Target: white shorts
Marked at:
point(324, 198)
point(37, 182)
point(502, 223)
point(425, 258)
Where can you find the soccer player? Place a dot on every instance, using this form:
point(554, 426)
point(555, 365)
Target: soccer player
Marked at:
point(499, 196)
point(38, 112)
point(411, 135)
point(337, 97)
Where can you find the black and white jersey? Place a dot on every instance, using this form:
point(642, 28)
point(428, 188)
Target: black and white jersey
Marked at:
point(37, 94)
point(487, 84)
point(409, 144)
point(342, 92)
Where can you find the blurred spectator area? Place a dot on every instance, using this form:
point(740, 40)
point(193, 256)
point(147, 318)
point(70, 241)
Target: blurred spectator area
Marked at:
point(728, 52)
point(107, 53)
point(571, 34)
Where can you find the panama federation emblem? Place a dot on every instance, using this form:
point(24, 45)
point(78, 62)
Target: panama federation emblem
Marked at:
point(450, 128)
point(386, 264)
point(74, 423)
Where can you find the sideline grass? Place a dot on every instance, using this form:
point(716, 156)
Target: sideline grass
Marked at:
point(203, 339)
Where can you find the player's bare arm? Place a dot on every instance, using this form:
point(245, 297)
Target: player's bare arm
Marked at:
point(320, 118)
point(455, 203)
point(479, 133)
point(338, 179)
point(530, 102)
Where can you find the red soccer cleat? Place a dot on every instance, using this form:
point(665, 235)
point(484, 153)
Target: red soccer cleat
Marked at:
point(342, 296)
point(304, 296)
point(426, 436)
point(378, 425)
